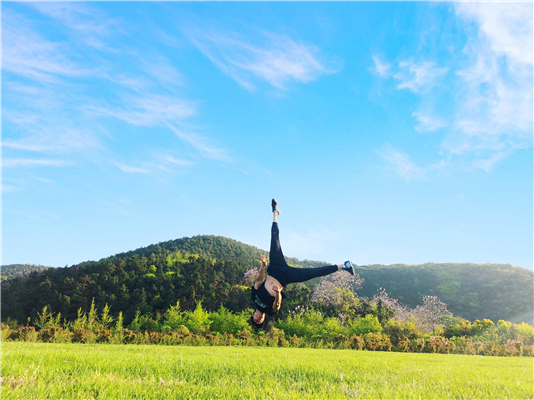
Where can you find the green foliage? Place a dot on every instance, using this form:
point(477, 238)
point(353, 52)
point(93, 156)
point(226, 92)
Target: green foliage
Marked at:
point(401, 331)
point(46, 319)
point(198, 321)
point(173, 317)
point(223, 321)
point(368, 324)
point(19, 270)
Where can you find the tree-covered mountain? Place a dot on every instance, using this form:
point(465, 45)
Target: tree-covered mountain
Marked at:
point(19, 270)
point(471, 291)
point(211, 268)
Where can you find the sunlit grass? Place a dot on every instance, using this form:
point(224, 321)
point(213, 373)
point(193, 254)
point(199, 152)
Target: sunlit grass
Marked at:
point(76, 371)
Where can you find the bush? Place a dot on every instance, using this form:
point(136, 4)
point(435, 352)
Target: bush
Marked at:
point(62, 336)
point(48, 334)
point(128, 336)
point(6, 333)
point(362, 326)
point(224, 321)
point(103, 336)
point(81, 335)
point(376, 341)
point(356, 342)
point(24, 334)
point(400, 331)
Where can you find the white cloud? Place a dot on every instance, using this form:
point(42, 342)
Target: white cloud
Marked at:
point(26, 53)
point(507, 27)
point(494, 115)
point(488, 95)
point(10, 188)
point(201, 144)
point(171, 160)
point(278, 60)
point(31, 162)
point(417, 77)
point(131, 170)
point(381, 68)
point(148, 109)
point(401, 164)
point(427, 122)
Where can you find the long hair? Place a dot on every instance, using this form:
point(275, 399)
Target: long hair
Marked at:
point(254, 324)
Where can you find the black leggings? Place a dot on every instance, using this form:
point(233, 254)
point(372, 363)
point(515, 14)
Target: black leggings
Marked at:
point(280, 270)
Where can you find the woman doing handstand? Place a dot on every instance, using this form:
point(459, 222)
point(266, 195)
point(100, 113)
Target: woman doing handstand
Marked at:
point(267, 292)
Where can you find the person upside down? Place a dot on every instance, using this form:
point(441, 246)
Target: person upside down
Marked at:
point(267, 293)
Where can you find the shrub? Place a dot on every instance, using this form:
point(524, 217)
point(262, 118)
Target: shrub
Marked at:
point(362, 326)
point(182, 330)
point(171, 339)
point(48, 334)
point(24, 334)
point(128, 336)
point(224, 321)
point(103, 336)
point(62, 336)
point(356, 342)
point(81, 335)
point(398, 331)
point(376, 341)
point(198, 321)
point(6, 333)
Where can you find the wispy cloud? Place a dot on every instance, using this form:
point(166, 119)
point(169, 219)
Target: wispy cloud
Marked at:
point(86, 21)
point(262, 56)
point(417, 77)
point(200, 143)
point(147, 110)
point(400, 164)
point(45, 180)
point(27, 53)
point(32, 162)
point(131, 170)
point(50, 104)
point(491, 85)
point(10, 188)
point(494, 117)
point(381, 68)
point(171, 160)
point(427, 122)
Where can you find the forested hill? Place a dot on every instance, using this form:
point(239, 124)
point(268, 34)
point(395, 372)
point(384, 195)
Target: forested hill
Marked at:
point(211, 269)
point(471, 291)
point(212, 248)
point(20, 270)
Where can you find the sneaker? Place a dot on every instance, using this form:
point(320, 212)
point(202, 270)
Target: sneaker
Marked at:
point(347, 266)
point(274, 205)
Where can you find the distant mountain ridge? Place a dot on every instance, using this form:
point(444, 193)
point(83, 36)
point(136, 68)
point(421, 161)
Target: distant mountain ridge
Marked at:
point(210, 268)
point(13, 270)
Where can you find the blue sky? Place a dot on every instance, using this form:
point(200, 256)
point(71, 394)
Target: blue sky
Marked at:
point(390, 132)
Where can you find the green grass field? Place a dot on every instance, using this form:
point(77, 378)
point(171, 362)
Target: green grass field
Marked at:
point(76, 371)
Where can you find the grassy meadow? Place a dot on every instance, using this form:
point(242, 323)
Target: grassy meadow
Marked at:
point(83, 371)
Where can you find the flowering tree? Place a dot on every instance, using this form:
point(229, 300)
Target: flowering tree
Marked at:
point(426, 316)
point(330, 292)
point(402, 313)
point(250, 276)
point(430, 312)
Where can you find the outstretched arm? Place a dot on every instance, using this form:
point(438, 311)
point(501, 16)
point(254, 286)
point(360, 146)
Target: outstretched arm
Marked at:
point(261, 275)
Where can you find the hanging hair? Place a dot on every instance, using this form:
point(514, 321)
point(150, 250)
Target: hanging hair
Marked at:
point(254, 324)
